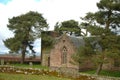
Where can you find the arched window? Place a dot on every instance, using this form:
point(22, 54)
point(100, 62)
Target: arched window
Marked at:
point(64, 55)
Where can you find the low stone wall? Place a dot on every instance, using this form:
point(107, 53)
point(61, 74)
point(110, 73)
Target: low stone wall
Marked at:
point(27, 71)
point(72, 75)
point(66, 71)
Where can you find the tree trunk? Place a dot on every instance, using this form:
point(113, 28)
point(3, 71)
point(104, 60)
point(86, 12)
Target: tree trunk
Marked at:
point(41, 56)
point(99, 68)
point(23, 54)
point(108, 21)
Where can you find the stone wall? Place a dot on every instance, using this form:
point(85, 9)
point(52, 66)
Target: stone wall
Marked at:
point(56, 53)
point(45, 56)
point(110, 66)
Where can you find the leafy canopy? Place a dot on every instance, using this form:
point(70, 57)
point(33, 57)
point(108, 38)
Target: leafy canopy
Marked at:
point(26, 28)
point(104, 26)
point(69, 26)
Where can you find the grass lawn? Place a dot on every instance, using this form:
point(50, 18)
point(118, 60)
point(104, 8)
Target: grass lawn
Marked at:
point(28, 66)
point(105, 73)
point(6, 76)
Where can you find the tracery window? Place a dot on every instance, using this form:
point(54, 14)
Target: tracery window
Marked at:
point(64, 55)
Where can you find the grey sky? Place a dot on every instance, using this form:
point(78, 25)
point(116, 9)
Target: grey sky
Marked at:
point(52, 10)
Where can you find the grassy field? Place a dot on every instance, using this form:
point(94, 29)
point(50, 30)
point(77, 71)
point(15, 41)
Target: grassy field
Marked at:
point(41, 77)
point(105, 73)
point(28, 66)
point(6, 76)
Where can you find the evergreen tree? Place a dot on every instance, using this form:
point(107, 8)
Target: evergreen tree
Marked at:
point(104, 25)
point(84, 53)
point(26, 28)
point(69, 26)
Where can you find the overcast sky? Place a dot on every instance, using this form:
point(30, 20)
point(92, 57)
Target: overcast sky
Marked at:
point(52, 10)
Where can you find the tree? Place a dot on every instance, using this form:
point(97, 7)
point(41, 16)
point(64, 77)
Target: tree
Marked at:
point(26, 27)
point(84, 53)
point(47, 40)
point(104, 25)
point(70, 26)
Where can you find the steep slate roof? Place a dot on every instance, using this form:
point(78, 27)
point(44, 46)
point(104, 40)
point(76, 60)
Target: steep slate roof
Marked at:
point(77, 41)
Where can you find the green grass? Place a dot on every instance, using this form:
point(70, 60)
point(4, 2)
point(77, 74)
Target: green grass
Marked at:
point(6, 76)
point(105, 73)
point(28, 66)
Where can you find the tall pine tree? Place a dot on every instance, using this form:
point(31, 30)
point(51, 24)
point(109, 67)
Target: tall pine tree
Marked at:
point(26, 28)
point(69, 26)
point(105, 24)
